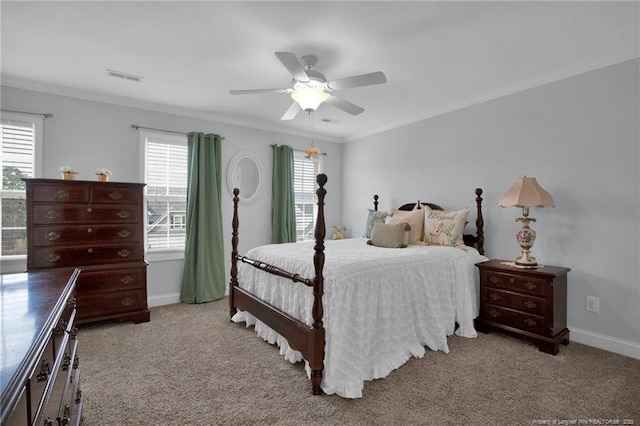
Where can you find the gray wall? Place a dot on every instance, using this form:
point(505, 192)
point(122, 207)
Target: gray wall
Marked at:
point(579, 137)
point(89, 135)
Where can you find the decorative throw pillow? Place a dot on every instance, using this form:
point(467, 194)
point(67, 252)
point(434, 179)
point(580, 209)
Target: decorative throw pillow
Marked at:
point(389, 236)
point(373, 217)
point(445, 227)
point(414, 218)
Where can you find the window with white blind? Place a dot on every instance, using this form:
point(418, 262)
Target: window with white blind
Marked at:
point(304, 188)
point(20, 137)
point(165, 173)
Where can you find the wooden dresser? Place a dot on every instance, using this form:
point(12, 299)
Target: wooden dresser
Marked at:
point(98, 227)
point(40, 368)
point(529, 302)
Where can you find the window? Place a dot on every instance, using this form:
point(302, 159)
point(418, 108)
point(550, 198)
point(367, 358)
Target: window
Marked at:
point(165, 173)
point(20, 137)
point(305, 200)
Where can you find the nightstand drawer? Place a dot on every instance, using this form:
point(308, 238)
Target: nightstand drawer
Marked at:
point(520, 320)
point(520, 284)
point(521, 302)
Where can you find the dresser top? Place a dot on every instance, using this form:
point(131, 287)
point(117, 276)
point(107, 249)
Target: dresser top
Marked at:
point(31, 303)
point(46, 181)
point(542, 270)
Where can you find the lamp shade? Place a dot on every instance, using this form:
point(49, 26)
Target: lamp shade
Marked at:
point(525, 192)
point(309, 99)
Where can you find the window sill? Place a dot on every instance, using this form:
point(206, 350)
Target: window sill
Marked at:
point(164, 255)
point(13, 264)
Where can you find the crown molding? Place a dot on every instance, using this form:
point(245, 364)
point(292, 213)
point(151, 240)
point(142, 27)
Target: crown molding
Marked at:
point(541, 80)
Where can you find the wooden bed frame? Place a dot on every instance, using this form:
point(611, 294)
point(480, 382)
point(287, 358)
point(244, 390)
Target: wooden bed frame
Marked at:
point(308, 340)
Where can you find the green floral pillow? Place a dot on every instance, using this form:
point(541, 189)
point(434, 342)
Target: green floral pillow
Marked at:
point(373, 217)
point(445, 227)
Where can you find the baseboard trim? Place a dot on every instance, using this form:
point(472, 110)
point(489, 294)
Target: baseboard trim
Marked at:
point(607, 343)
point(165, 299)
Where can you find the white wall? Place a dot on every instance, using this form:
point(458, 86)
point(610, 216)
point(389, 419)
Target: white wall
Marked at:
point(89, 134)
point(579, 137)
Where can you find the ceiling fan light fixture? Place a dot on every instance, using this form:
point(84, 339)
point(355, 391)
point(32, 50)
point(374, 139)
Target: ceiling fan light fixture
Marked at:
point(309, 99)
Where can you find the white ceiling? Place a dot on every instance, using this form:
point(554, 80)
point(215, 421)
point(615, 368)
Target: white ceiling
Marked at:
point(437, 56)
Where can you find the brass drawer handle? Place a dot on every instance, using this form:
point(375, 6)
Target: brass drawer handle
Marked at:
point(52, 214)
point(45, 371)
point(66, 415)
point(71, 303)
point(76, 362)
point(529, 322)
point(128, 301)
point(123, 214)
point(530, 286)
point(494, 297)
point(494, 313)
point(494, 279)
point(89, 230)
point(78, 396)
point(89, 209)
point(124, 233)
point(61, 327)
point(52, 236)
point(48, 422)
point(61, 194)
point(53, 257)
point(90, 250)
point(66, 362)
point(73, 334)
point(115, 195)
point(511, 280)
point(530, 304)
point(127, 280)
point(124, 253)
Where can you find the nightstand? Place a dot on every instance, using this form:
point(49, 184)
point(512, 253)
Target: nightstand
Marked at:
point(528, 302)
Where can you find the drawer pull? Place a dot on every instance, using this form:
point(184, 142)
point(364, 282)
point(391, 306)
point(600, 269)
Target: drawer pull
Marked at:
point(52, 236)
point(71, 303)
point(53, 257)
point(529, 322)
point(494, 313)
point(78, 396)
point(73, 334)
point(115, 195)
point(52, 214)
point(530, 304)
point(90, 250)
point(123, 214)
point(66, 415)
point(61, 194)
point(45, 370)
point(127, 280)
point(494, 297)
point(124, 233)
point(89, 230)
point(511, 280)
point(48, 422)
point(494, 279)
point(61, 327)
point(76, 362)
point(124, 253)
point(530, 286)
point(128, 301)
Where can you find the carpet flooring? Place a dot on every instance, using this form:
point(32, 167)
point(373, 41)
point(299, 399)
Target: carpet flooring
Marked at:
point(190, 366)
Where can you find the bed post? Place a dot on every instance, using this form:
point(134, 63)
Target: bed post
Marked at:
point(375, 202)
point(479, 222)
point(234, 253)
point(317, 361)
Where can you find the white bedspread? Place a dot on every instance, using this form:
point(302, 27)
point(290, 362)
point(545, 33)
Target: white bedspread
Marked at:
point(381, 306)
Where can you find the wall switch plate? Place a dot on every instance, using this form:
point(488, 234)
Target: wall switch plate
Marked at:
point(593, 304)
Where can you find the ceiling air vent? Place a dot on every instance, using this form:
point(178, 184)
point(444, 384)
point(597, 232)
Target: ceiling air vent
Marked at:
point(124, 75)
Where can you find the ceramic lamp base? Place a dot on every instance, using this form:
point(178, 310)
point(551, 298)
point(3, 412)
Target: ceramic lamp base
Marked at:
point(526, 237)
point(68, 176)
point(103, 178)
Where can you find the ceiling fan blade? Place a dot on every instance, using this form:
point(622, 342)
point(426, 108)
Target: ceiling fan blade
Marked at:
point(346, 106)
point(258, 91)
point(291, 62)
point(291, 112)
point(369, 79)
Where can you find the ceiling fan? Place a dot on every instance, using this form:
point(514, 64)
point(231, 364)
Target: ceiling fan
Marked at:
point(311, 88)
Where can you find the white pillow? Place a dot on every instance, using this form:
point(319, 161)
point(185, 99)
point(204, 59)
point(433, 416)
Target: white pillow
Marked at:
point(445, 227)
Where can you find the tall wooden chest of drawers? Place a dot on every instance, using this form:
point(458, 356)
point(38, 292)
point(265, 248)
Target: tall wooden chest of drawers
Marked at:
point(99, 228)
point(528, 302)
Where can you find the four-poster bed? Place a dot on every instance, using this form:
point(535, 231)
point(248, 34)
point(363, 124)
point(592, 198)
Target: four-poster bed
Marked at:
point(296, 319)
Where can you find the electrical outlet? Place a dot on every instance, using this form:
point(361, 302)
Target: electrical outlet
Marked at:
point(593, 304)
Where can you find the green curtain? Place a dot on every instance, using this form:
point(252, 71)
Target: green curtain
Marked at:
point(204, 275)
point(283, 218)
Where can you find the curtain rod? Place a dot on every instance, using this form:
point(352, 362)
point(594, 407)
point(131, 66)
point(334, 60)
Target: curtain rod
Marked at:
point(135, 126)
point(322, 153)
point(45, 115)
